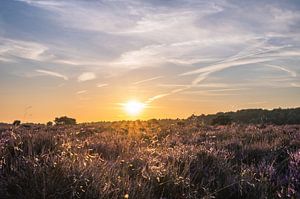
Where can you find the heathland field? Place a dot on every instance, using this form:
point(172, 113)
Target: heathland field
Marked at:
point(149, 159)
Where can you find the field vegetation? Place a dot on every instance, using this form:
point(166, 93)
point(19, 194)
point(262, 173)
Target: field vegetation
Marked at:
point(150, 159)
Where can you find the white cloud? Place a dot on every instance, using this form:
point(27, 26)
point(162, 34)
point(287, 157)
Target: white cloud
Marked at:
point(86, 76)
point(81, 92)
point(290, 72)
point(157, 55)
point(151, 99)
point(224, 65)
point(147, 80)
point(180, 34)
point(51, 73)
point(248, 56)
point(44, 3)
point(295, 85)
point(11, 49)
point(101, 85)
point(207, 85)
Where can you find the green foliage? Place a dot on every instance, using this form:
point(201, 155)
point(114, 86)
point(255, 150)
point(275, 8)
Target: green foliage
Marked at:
point(65, 121)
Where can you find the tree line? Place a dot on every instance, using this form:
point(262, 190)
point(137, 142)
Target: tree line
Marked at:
point(276, 116)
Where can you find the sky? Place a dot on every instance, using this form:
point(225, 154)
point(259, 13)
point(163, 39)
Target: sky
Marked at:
point(85, 59)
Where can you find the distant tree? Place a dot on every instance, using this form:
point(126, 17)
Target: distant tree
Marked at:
point(180, 123)
point(277, 116)
point(192, 117)
point(16, 122)
point(65, 121)
point(49, 123)
point(154, 121)
point(222, 120)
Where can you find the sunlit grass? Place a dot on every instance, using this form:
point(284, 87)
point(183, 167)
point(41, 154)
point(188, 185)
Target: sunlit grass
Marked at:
point(153, 159)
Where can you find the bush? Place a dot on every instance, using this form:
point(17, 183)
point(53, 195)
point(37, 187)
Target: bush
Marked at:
point(222, 120)
point(16, 122)
point(64, 121)
point(49, 123)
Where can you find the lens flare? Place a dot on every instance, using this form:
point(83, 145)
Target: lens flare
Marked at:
point(133, 107)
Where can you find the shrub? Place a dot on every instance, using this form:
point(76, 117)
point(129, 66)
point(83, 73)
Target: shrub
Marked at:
point(16, 122)
point(222, 120)
point(65, 121)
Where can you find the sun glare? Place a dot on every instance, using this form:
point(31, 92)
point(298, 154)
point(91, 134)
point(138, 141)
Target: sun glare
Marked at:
point(133, 107)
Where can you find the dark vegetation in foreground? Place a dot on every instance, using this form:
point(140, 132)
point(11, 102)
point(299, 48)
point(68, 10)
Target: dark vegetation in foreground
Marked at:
point(149, 159)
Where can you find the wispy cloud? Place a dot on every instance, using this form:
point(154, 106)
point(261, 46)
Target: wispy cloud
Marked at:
point(218, 92)
point(151, 99)
point(101, 85)
point(51, 73)
point(240, 59)
point(156, 97)
point(227, 89)
point(81, 92)
point(42, 3)
point(86, 76)
point(290, 72)
point(15, 50)
point(12, 49)
point(147, 80)
point(203, 85)
point(245, 57)
point(295, 85)
point(205, 93)
point(225, 65)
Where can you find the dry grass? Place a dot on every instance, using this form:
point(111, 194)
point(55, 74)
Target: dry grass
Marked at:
point(153, 159)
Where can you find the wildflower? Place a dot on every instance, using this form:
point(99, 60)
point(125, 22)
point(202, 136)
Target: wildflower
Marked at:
point(126, 195)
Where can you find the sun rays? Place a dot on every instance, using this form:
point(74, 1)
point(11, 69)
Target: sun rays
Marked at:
point(133, 107)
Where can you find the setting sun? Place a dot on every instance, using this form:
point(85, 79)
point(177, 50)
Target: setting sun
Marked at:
point(133, 107)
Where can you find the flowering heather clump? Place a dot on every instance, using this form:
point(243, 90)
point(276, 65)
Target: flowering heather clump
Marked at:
point(149, 159)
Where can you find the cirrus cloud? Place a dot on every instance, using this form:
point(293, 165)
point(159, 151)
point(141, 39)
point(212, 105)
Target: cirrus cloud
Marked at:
point(51, 73)
point(86, 76)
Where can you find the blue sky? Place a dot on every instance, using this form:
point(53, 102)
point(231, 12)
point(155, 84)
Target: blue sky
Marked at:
point(199, 56)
